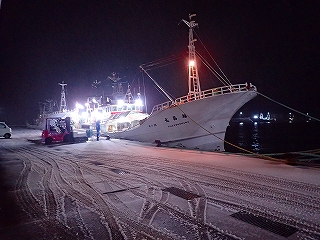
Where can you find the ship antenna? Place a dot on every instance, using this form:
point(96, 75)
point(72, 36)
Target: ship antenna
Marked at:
point(63, 103)
point(114, 78)
point(193, 79)
point(49, 101)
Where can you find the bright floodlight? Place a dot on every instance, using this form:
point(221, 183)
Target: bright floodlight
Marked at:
point(75, 116)
point(97, 115)
point(94, 100)
point(120, 103)
point(84, 114)
point(191, 63)
point(79, 106)
point(138, 102)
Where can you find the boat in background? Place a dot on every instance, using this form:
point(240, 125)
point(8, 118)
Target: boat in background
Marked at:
point(118, 112)
point(50, 109)
point(197, 120)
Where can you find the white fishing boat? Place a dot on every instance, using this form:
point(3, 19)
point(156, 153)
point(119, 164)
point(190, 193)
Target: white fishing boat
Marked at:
point(197, 120)
point(118, 112)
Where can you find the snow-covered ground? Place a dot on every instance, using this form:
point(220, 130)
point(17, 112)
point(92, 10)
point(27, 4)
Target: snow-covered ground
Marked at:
point(116, 189)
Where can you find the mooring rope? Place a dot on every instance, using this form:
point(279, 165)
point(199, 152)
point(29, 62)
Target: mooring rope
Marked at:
point(231, 144)
point(306, 115)
point(263, 156)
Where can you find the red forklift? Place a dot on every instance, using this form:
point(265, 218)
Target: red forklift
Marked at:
point(57, 130)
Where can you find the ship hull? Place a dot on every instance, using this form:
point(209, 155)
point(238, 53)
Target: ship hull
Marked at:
point(199, 124)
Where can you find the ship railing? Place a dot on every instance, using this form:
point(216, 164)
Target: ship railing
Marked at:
point(205, 94)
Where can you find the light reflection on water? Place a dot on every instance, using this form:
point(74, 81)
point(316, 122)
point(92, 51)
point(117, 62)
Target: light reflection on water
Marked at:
point(255, 145)
point(272, 137)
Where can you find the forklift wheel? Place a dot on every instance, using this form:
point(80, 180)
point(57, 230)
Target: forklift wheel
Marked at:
point(48, 141)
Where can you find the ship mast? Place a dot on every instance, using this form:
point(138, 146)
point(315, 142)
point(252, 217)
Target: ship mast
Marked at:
point(193, 80)
point(63, 103)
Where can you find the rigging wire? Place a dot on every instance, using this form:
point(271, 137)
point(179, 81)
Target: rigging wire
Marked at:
point(157, 84)
point(263, 156)
point(226, 78)
point(158, 64)
point(231, 144)
point(162, 62)
point(213, 71)
point(144, 92)
point(306, 115)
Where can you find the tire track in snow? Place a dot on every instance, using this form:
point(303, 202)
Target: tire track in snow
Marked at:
point(95, 201)
point(286, 192)
point(217, 185)
point(32, 206)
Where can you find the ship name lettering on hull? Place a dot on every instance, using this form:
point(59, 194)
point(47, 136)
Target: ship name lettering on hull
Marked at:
point(177, 124)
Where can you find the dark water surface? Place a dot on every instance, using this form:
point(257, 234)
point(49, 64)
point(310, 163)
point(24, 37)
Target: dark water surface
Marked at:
point(273, 137)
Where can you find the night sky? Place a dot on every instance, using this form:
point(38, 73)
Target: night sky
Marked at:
point(273, 44)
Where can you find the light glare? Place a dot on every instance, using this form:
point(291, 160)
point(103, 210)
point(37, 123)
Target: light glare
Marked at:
point(79, 106)
point(138, 102)
point(120, 103)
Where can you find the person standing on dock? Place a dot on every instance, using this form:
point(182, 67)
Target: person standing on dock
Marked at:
point(98, 128)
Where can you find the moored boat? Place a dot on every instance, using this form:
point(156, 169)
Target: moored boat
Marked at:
point(197, 120)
